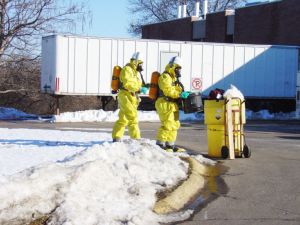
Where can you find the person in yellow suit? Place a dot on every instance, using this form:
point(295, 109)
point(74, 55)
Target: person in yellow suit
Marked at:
point(130, 87)
point(170, 92)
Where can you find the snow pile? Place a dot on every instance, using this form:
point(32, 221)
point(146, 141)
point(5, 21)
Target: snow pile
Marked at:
point(13, 114)
point(101, 116)
point(112, 116)
point(24, 148)
point(87, 116)
point(144, 116)
point(204, 160)
point(108, 183)
point(266, 115)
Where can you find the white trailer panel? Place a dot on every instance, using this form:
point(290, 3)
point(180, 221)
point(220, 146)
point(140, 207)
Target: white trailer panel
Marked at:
point(196, 61)
point(73, 65)
point(186, 56)
point(207, 74)
point(93, 65)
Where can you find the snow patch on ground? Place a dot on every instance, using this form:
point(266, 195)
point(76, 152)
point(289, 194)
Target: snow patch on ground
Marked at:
point(83, 178)
point(145, 116)
point(101, 115)
point(204, 160)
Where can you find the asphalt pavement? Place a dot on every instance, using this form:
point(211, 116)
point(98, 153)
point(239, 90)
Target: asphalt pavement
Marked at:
point(261, 190)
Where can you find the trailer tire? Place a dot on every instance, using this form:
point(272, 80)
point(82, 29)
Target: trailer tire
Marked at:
point(246, 151)
point(224, 152)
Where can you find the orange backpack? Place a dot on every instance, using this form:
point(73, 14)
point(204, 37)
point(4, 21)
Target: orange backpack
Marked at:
point(115, 79)
point(153, 91)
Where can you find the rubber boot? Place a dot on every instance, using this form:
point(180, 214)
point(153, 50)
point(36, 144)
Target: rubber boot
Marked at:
point(116, 139)
point(171, 147)
point(168, 148)
point(161, 144)
point(178, 149)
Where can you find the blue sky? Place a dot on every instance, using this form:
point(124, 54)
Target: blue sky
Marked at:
point(110, 18)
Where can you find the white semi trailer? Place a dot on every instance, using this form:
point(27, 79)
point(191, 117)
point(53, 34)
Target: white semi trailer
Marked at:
point(76, 65)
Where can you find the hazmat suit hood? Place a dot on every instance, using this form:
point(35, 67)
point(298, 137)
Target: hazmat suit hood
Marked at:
point(174, 66)
point(136, 60)
point(171, 70)
point(134, 63)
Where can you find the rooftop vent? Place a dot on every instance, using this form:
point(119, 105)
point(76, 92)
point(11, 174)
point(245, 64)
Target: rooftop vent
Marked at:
point(205, 8)
point(197, 8)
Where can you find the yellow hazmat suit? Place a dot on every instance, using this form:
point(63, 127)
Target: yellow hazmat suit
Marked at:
point(167, 106)
point(128, 102)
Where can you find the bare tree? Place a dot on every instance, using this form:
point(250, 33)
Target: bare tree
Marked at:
point(22, 22)
point(154, 11)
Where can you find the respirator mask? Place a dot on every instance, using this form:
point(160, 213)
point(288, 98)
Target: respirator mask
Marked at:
point(139, 67)
point(178, 72)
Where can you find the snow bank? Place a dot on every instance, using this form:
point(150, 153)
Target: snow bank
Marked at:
point(24, 148)
point(105, 183)
point(112, 116)
point(101, 116)
point(151, 116)
point(144, 116)
point(266, 115)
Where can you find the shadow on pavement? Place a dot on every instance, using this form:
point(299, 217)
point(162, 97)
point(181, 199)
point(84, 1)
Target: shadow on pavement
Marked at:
point(290, 137)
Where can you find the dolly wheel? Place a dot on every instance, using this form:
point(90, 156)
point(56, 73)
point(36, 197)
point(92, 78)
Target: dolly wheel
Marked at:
point(246, 152)
point(224, 152)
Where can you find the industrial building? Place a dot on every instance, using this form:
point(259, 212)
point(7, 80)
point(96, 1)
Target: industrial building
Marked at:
point(275, 23)
point(266, 23)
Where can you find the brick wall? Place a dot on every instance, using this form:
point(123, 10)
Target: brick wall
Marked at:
point(179, 29)
point(289, 24)
point(257, 24)
point(273, 23)
point(216, 24)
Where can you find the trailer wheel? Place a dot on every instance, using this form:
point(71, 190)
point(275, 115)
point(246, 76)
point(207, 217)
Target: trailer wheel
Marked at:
point(246, 152)
point(224, 152)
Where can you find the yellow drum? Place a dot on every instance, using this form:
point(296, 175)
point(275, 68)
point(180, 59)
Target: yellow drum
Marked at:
point(216, 140)
point(215, 119)
point(214, 112)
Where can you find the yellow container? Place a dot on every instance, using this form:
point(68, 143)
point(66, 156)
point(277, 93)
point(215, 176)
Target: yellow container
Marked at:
point(214, 112)
point(214, 118)
point(215, 139)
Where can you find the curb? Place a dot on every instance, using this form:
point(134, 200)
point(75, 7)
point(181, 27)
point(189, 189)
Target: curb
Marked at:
point(186, 191)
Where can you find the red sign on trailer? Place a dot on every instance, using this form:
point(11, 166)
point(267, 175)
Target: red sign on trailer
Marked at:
point(197, 84)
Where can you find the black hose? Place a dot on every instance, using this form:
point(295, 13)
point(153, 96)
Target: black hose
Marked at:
point(143, 81)
point(180, 84)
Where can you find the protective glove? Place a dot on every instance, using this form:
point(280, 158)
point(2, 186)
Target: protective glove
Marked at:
point(144, 90)
point(185, 94)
